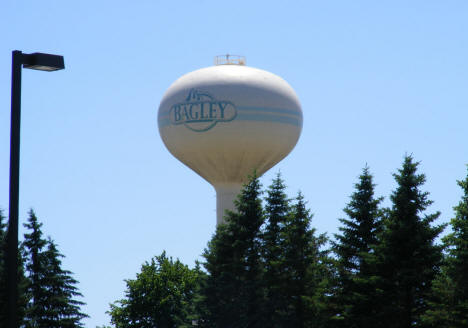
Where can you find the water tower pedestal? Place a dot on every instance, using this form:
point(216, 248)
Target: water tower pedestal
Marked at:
point(226, 193)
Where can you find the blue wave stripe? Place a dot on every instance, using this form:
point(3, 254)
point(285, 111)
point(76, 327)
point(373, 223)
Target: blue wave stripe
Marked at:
point(269, 110)
point(258, 114)
point(259, 109)
point(269, 118)
point(255, 117)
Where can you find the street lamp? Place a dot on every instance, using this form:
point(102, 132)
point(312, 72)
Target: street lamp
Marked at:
point(42, 62)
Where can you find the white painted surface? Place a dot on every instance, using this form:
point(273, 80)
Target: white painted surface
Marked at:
point(226, 193)
point(226, 121)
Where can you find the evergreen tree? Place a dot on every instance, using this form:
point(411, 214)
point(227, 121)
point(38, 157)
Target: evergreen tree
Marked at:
point(63, 310)
point(197, 309)
point(440, 303)
point(457, 261)
point(220, 290)
point(409, 257)
point(277, 211)
point(51, 289)
point(356, 256)
point(36, 267)
point(233, 290)
point(23, 283)
point(450, 305)
point(161, 296)
point(22, 280)
point(306, 270)
point(2, 270)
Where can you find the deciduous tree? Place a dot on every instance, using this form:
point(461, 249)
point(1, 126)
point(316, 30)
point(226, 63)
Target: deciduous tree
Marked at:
point(161, 296)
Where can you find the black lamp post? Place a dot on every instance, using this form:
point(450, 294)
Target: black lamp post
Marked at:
point(42, 62)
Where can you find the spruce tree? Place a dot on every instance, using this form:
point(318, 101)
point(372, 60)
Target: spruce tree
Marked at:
point(306, 270)
point(439, 313)
point(220, 290)
point(63, 309)
point(197, 308)
point(356, 259)
point(51, 289)
point(36, 267)
point(2, 270)
point(450, 305)
point(409, 257)
point(277, 211)
point(22, 280)
point(457, 260)
point(233, 290)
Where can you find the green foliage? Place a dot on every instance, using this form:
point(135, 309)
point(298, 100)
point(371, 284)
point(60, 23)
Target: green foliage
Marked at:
point(356, 261)
point(457, 260)
point(285, 287)
point(197, 308)
point(306, 270)
point(51, 289)
point(266, 267)
point(440, 304)
point(63, 309)
point(233, 293)
point(2, 270)
point(22, 280)
point(409, 257)
point(449, 306)
point(277, 212)
point(161, 296)
point(36, 267)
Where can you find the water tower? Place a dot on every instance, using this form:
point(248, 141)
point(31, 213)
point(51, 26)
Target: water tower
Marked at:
point(227, 120)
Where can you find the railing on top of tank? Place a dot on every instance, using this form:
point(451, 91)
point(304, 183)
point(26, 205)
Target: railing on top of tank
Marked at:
point(229, 60)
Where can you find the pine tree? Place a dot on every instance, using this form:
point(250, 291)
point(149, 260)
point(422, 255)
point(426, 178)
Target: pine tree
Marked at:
point(22, 280)
point(306, 270)
point(233, 291)
point(409, 257)
point(2, 270)
point(439, 313)
point(457, 261)
point(36, 267)
point(51, 289)
point(277, 211)
point(356, 256)
point(63, 309)
point(197, 308)
point(220, 290)
point(450, 306)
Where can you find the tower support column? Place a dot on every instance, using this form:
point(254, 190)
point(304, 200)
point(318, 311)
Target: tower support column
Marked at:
point(226, 193)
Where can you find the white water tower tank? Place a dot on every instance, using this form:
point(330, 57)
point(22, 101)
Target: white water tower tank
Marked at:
point(227, 120)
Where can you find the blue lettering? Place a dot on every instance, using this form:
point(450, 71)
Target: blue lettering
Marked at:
point(196, 115)
point(202, 111)
point(187, 117)
point(222, 108)
point(212, 110)
point(176, 113)
point(193, 115)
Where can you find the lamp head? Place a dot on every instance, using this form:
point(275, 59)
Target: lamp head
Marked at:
point(43, 62)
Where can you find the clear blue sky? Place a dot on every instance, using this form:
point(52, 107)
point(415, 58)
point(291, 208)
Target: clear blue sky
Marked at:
point(376, 79)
